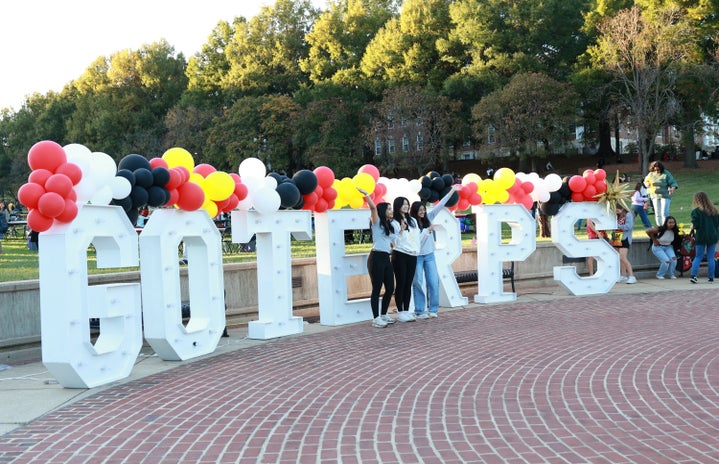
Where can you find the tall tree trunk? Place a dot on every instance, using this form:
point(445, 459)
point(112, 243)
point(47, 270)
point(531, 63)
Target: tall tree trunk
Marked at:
point(605, 139)
point(690, 157)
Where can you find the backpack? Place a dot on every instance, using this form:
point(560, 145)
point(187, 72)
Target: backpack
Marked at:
point(687, 246)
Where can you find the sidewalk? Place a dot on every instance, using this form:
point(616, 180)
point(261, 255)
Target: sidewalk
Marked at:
point(631, 376)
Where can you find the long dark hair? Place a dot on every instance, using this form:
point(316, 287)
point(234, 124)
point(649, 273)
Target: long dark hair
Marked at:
point(382, 213)
point(397, 213)
point(663, 228)
point(423, 222)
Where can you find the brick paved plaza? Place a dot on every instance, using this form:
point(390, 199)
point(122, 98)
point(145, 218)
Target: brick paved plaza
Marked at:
point(618, 378)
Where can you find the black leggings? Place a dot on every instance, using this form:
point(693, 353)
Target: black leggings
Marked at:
point(380, 271)
point(404, 268)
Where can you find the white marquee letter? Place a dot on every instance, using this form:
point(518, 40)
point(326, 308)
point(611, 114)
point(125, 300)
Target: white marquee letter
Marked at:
point(491, 252)
point(448, 249)
point(607, 265)
point(274, 267)
point(67, 303)
point(161, 299)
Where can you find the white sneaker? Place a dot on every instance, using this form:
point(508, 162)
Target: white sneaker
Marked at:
point(621, 279)
point(673, 277)
point(388, 319)
point(660, 277)
point(379, 322)
point(631, 280)
point(422, 316)
point(405, 316)
point(433, 315)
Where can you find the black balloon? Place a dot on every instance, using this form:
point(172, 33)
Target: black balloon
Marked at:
point(289, 194)
point(433, 174)
point(438, 184)
point(125, 203)
point(277, 176)
point(453, 200)
point(306, 181)
point(132, 215)
point(550, 209)
point(134, 162)
point(143, 177)
point(160, 176)
point(434, 196)
point(139, 196)
point(425, 193)
point(448, 180)
point(426, 181)
point(157, 196)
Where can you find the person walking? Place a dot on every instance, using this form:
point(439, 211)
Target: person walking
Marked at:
point(666, 239)
point(705, 223)
point(379, 266)
point(426, 275)
point(621, 240)
point(640, 204)
point(660, 185)
point(404, 257)
point(4, 222)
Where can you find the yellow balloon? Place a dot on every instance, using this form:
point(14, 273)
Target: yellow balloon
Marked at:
point(356, 202)
point(196, 178)
point(219, 186)
point(210, 206)
point(179, 157)
point(501, 196)
point(504, 177)
point(364, 181)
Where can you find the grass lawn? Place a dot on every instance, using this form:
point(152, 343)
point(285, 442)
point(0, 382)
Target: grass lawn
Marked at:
point(19, 263)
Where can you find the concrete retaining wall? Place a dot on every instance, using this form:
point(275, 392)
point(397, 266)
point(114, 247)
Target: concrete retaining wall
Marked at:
point(20, 301)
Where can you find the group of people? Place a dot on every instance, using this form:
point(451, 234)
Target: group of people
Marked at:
point(402, 259)
point(666, 237)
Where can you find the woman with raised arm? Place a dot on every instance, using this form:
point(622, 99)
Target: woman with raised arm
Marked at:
point(426, 263)
point(379, 265)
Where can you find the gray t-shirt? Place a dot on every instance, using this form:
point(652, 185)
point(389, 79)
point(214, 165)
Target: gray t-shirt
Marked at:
point(380, 240)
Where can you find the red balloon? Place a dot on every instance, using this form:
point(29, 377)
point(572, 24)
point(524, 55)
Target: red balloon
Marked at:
point(330, 194)
point(38, 222)
point(321, 205)
point(589, 176)
point(39, 176)
point(241, 191)
point(184, 172)
point(310, 199)
point(69, 213)
point(589, 193)
point(46, 155)
point(600, 174)
point(371, 170)
point(204, 169)
point(174, 196)
point(601, 186)
point(475, 199)
point(577, 184)
point(462, 204)
point(191, 196)
point(577, 197)
point(59, 183)
point(232, 203)
point(175, 180)
point(51, 204)
point(528, 187)
point(29, 194)
point(72, 171)
point(325, 176)
point(158, 163)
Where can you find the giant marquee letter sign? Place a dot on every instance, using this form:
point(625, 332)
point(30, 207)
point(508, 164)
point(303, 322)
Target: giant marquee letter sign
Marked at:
point(67, 302)
point(334, 266)
point(492, 253)
point(448, 248)
point(607, 268)
point(274, 266)
point(161, 301)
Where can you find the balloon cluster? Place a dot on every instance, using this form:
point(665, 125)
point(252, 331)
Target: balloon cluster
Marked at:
point(587, 186)
point(49, 193)
point(436, 186)
point(367, 179)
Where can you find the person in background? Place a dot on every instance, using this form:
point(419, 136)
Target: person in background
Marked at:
point(4, 222)
point(426, 263)
point(592, 233)
point(705, 222)
point(621, 240)
point(640, 204)
point(404, 257)
point(666, 239)
point(379, 265)
point(660, 185)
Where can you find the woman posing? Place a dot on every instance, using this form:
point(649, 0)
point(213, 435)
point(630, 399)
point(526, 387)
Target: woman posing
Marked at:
point(404, 257)
point(660, 185)
point(625, 225)
point(665, 240)
point(705, 222)
point(379, 265)
point(640, 203)
point(426, 263)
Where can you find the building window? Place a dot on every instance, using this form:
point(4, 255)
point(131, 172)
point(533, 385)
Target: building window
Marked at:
point(377, 147)
point(420, 142)
point(390, 146)
point(403, 122)
point(419, 121)
point(405, 143)
point(491, 135)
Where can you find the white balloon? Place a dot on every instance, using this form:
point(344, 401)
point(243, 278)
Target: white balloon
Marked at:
point(415, 185)
point(270, 182)
point(103, 196)
point(102, 167)
point(252, 167)
point(79, 155)
point(246, 204)
point(266, 200)
point(84, 190)
point(120, 187)
point(553, 182)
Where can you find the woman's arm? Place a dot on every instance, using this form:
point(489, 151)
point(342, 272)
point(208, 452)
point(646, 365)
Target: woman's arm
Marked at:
point(374, 216)
point(440, 204)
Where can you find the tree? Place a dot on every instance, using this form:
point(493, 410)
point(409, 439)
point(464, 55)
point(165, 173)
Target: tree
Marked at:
point(643, 57)
point(531, 110)
point(412, 129)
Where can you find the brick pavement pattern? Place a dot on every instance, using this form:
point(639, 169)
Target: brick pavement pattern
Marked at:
point(603, 379)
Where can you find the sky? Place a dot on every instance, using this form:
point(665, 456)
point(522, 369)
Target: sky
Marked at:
point(44, 44)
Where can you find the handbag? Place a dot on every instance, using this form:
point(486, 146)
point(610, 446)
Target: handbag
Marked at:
point(687, 248)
